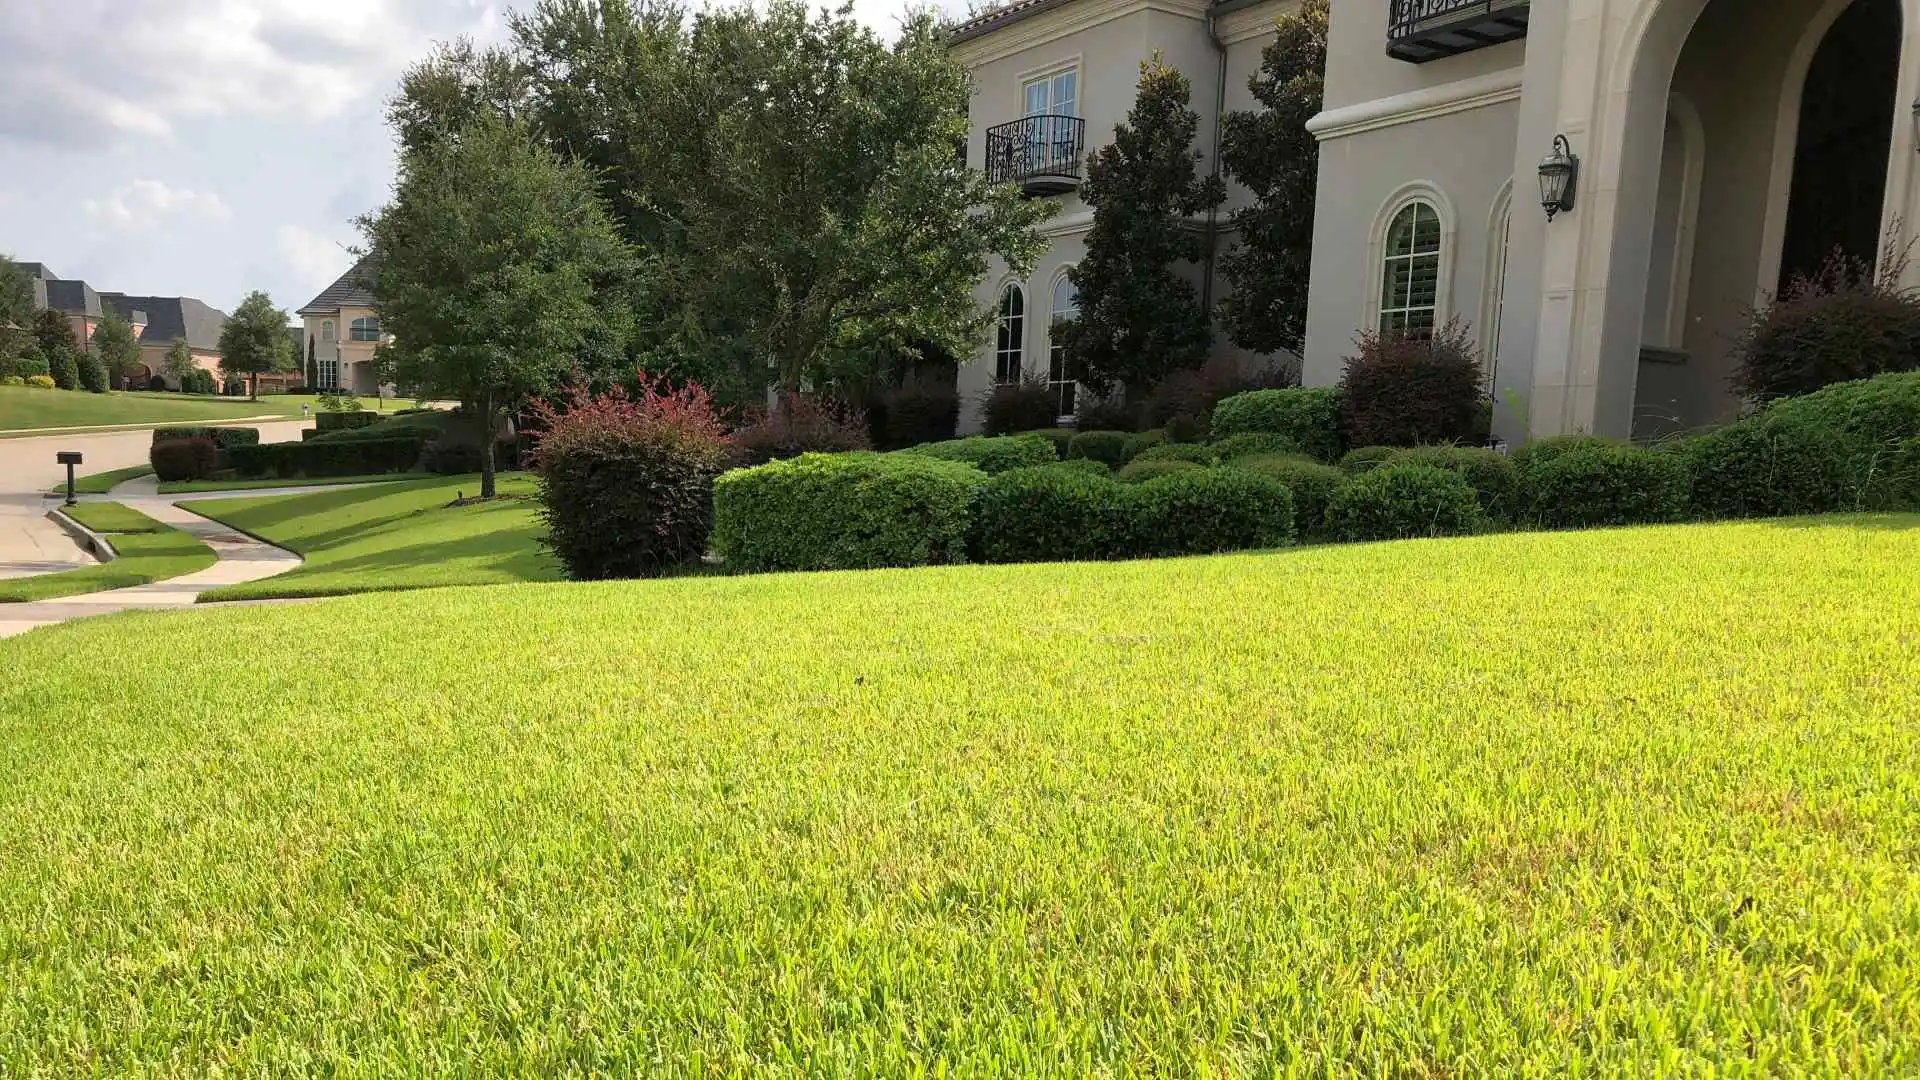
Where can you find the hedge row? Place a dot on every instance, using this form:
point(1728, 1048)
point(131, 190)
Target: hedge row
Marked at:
point(321, 458)
point(225, 438)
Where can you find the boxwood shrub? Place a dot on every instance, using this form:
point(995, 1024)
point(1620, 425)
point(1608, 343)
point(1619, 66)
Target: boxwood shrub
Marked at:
point(1142, 441)
point(1198, 453)
point(847, 511)
point(224, 438)
point(1491, 474)
point(1060, 438)
point(1053, 513)
point(1202, 511)
point(1598, 485)
point(1312, 483)
point(1366, 458)
point(1080, 467)
point(1310, 417)
point(1139, 472)
point(1397, 502)
point(1106, 447)
point(1540, 451)
point(991, 453)
point(1254, 444)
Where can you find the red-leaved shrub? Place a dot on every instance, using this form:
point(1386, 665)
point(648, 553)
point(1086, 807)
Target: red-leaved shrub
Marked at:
point(1415, 388)
point(626, 483)
point(191, 458)
point(799, 424)
point(1841, 323)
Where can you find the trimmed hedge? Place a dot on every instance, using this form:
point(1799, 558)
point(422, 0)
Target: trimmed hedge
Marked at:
point(1060, 437)
point(1367, 458)
point(1313, 485)
point(1540, 451)
point(318, 457)
point(1309, 417)
point(1107, 447)
point(991, 453)
point(1605, 485)
point(1491, 474)
point(225, 438)
point(1079, 466)
point(1254, 444)
point(847, 511)
point(1203, 511)
point(1141, 442)
point(191, 458)
point(1139, 472)
point(342, 421)
point(1402, 502)
point(1053, 513)
point(1198, 453)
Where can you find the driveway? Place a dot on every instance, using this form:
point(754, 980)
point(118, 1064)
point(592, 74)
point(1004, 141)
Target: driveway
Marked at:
point(29, 543)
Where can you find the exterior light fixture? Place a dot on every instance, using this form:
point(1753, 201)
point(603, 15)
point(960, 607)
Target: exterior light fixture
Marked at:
point(1916, 125)
point(1559, 177)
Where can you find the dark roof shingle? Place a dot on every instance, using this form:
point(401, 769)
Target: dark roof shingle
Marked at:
point(170, 317)
point(349, 291)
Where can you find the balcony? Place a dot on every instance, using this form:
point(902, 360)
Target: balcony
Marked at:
point(1423, 30)
point(1043, 154)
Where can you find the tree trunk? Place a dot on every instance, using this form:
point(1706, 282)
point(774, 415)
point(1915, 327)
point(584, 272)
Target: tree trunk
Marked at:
point(486, 444)
point(253, 387)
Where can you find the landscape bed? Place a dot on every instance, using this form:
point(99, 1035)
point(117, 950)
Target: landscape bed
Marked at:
point(1636, 802)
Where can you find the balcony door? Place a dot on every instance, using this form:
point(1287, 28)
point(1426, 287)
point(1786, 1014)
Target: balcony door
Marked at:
point(1052, 101)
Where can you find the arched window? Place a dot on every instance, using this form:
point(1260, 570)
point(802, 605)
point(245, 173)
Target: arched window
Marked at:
point(1066, 304)
point(1013, 332)
point(326, 330)
point(365, 328)
point(1410, 285)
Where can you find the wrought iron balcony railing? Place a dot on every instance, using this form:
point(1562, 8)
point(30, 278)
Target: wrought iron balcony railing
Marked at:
point(1043, 154)
point(1423, 30)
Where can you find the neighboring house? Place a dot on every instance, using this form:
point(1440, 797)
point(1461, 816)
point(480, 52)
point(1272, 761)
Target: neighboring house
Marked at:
point(1052, 78)
point(342, 330)
point(76, 299)
point(1722, 146)
point(157, 321)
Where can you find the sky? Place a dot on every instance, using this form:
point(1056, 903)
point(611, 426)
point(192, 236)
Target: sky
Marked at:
point(207, 148)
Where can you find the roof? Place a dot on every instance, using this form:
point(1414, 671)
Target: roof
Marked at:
point(996, 17)
point(72, 297)
point(350, 290)
point(170, 317)
point(37, 271)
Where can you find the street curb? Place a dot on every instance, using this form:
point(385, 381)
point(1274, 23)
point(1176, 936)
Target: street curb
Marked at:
point(96, 544)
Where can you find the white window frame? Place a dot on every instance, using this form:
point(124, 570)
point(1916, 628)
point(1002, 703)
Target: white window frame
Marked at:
point(1493, 304)
point(1016, 322)
point(1419, 191)
point(1067, 389)
point(327, 371)
point(354, 328)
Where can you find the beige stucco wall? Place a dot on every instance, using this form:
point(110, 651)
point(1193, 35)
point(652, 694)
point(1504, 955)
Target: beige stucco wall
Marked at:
point(355, 357)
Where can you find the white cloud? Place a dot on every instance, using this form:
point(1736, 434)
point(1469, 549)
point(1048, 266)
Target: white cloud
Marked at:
point(311, 256)
point(150, 203)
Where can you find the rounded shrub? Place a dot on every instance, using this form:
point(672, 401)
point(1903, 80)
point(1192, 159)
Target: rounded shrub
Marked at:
point(626, 485)
point(40, 382)
point(1605, 485)
point(799, 424)
point(1141, 442)
point(1415, 389)
point(61, 368)
point(1312, 483)
point(192, 458)
point(1309, 417)
point(1023, 405)
point(1059, 437)
point(1202, 511)
point(93, 373)
point(1106, 447)
point(1491, 475)
point(1399, 502)
point(1367, 458)
point(991, 454)
point(845, 512)
point(13, 380)
point(1539, 451)
point(1198, 453)
point(1052, 513)
point(1875, 421)
point(1758, 467)
point(1139, 472)
point(1841, 323)
point(1254, 444)
point(1079, 466)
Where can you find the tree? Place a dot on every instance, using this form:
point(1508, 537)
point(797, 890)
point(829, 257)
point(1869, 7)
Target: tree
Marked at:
point(486, 261)
point(92, 372)
point(254, 342)
point(16, 309)
point(1138, 317)
point(54, 334)
point(114, 344)
point(1272, 153)
point(179, 363)
point(313, 366)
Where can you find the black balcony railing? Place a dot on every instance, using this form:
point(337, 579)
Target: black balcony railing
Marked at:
point(1043, 154)
point(1423, 30)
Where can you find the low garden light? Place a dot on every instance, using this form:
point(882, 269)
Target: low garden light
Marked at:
point(1559, 177)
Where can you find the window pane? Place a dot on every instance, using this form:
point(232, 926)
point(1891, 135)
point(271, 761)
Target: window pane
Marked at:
point(1065, 297)
point(1065, 92)
point(1037, 97)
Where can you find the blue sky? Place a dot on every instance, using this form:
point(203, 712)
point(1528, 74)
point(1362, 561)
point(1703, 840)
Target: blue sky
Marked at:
point(208, 147)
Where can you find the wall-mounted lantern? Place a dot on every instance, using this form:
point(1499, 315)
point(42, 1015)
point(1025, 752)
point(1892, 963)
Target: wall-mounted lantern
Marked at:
point(1916, 126)
point(1559, 177)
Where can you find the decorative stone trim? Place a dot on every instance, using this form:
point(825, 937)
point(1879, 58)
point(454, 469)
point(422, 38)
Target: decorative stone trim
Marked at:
point(1425, 103)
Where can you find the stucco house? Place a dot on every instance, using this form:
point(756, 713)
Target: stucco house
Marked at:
point(1713, 148)
point(341, 331)
point(158, 321)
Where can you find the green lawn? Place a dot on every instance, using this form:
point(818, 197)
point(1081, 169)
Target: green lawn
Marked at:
point(101, 482)
point(23, 407)
point(399, 536)
point(182, 487)
point(148, 550)
point(1634, 803)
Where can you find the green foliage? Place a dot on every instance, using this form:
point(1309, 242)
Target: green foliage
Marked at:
point(53, 333)
point(1054, 513)
point(920, 409)
point(1106, 447)
point(1398, 502)
point(1366, 458)
point(178, 362)
point(16, 309)
point(1536, 452)
point(1841, 323)
point(92, 374)
point(1312, 483)
point(800, 424)
point(40, 382)
point(1270, 151)
point(1143, 470)
point(111, 517)
point(1079, 467)
point(1026, 404)
point(253, 341)
point(490, 257)
point(1139, 317)
point(326, 457)
point(113, 342)
point(995, 454)
point(30, 361)
point(1605, 485)
point(1202, 511)
point(152, 552)
point(1183, 401)
point(846, 511)
point(335, 418)
point(225, 438)
point(1197, 453)
point(1141, 442)
point(1061, 438)
point(1253, 444)
point(1492, 475)
point(1413, 388)
point(1309, 417)
point(191, 458)
point(198, 381)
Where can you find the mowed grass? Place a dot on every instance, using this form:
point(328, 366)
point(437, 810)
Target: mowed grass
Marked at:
point(395, 536)
point(182, 487)
point(148, 551)
point(24, 407)
point(1636, 803)
point(101, 482)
